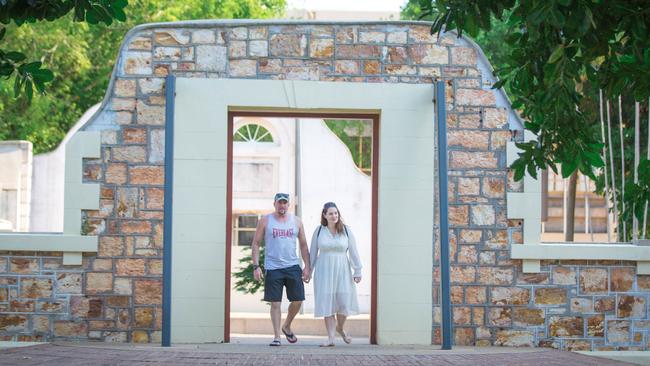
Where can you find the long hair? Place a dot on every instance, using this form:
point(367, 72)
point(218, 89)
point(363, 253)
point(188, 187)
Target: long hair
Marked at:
point(340, 226)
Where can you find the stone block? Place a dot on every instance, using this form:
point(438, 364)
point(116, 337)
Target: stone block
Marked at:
point(150, 115)
point(287, 45)
point(501, 317)
point(581, 305)
point(472, 160)
point(428, 54)
point(618, 331)
point(631, 307)
point(141, 43)
point(396, 55)
point(593, 280)
point(346, 67)
point(134, 135)
point(23, 265)
point(510, 295)
point(463, 56)
point(483, 215)
point(566, 326)
point(358, 52)
point(237, 49)
point(13, 323)
point(494, 187)
point(151, 85)
point(495, 118)
point(523, 317)
point(68, 283)
point(22, 306)
point(321, 48)
point(130, 267)
point(464, 336)
point(596, 326)
point(172, 37)
point(157, 146)
point(204, 36)
point(462, 315)
point(468, 139)
point(468, 254)
point(140, 336)
point(372, 37)
point(110, 246)
point(137, 63)
point(495, 276)
point(462, 274)
point(211, 58)
point(400, 70)
point(475, 295)
point(564, 276)
point(129, 154)
point(258, 48)
point(514, 338)
point(475, 97)
point(621, 279)
point(458, 215)
point(605, 305)
point(97, 282)
point(36, 287)
point(242, 68)
point(65, 328)
point(147, 175)
point(148, 292)
point(258, 32)
point(124, 88)
point(144, 317)
point(396, 37)
point(142, 227)
point(550, 296)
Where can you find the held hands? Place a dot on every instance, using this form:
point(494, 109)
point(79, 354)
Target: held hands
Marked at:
point(306, 274)
point(357, 279)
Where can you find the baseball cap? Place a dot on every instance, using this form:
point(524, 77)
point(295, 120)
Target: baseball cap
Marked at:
point(281, 196)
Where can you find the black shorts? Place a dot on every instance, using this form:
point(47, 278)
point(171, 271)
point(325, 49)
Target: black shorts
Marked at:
point(290, 277)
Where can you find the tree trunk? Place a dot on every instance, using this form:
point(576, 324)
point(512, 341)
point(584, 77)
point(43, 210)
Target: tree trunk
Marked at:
point(571, 207)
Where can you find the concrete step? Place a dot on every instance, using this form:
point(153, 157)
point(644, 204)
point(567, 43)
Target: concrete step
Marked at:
point(305, 324)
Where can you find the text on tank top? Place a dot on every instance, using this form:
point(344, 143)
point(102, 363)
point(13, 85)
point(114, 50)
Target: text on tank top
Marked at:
point(280, 243)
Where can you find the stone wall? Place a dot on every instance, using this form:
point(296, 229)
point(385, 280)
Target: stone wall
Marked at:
point(116, 294)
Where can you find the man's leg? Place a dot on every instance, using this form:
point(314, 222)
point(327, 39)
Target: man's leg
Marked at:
point(294, 308)
point(276, 316)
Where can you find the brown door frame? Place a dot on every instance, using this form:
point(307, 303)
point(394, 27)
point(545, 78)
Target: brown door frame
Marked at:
point(375, 185)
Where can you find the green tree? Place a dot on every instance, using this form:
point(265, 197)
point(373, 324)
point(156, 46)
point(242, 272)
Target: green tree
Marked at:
point(81, 55)
point(559, 55)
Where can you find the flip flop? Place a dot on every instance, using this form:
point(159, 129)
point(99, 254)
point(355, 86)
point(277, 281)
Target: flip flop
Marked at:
point(327, 345)
point(275, 343)
point(291, 338)
point(344, 335)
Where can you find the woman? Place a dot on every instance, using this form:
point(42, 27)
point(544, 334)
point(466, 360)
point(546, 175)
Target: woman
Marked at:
point(335, 293)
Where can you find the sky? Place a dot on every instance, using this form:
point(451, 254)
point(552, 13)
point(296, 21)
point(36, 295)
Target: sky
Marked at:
point(348, 5)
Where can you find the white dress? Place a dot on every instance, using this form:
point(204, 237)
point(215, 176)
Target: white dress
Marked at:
point(333, 259)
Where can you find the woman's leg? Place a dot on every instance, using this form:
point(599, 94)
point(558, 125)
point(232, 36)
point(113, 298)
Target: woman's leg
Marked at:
point(330, 325)
point(340, 322)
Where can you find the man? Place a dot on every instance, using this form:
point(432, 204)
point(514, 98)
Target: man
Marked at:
point(281, 264)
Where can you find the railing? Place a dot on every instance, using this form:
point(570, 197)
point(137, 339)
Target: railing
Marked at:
point(527, 205)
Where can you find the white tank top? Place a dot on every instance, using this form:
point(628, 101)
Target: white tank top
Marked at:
point(280, 243)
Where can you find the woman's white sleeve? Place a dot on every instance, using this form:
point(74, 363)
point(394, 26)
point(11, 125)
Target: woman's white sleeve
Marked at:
point(313, 250)
point(354, 254)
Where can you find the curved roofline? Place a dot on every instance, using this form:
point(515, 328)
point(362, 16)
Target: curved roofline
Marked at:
point(204, 23)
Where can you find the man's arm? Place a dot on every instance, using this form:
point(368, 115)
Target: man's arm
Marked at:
point(255, 247)
point(304, 252)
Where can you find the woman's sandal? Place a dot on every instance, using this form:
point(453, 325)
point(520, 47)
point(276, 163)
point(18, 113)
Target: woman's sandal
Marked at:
point(344, 335)
point(275, 343)
point(327, 344)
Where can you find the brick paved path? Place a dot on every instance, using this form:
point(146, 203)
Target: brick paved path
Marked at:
point(100, 355)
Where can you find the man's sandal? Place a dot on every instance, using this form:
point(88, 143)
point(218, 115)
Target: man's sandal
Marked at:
point(275, 343)
point(291, 338)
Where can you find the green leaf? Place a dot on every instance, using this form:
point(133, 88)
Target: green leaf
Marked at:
point(3, 30)
point(15, 56)
point(568, 167)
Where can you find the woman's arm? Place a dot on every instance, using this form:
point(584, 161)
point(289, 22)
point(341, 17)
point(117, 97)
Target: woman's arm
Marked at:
point(313, 249)
point(353, 253)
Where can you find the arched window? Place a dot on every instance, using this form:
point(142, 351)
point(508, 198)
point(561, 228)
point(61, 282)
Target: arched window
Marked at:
point(252, 132)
